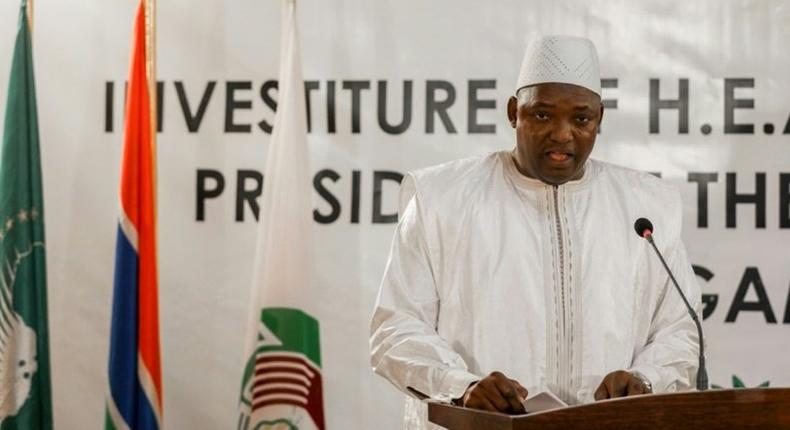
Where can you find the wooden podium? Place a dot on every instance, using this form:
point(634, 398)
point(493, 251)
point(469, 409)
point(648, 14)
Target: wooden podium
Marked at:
point(758, 408)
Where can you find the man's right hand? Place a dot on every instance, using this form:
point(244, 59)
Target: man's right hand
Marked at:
point(496, 393)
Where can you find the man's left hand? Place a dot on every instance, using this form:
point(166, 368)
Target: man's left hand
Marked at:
point(620, 384)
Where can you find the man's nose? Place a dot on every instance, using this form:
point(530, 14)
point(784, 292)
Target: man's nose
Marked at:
point(561, 133)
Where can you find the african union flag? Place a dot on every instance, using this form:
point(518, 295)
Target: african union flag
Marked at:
point(135, 397)
point(25, 389)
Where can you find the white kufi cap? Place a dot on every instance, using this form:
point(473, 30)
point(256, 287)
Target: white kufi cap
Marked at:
point(561, 59)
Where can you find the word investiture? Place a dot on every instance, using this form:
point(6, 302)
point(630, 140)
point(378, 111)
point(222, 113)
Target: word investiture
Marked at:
point(430, 106)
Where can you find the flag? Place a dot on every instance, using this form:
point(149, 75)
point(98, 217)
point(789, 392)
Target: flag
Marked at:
point(282, 384)
point(135, 378)
point(25, 389)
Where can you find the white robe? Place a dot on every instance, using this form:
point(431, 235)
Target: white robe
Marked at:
point(491, 270)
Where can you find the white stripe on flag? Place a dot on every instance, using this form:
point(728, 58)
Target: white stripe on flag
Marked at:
point(149, 389)
point(285, 364)
point(115, 415)
point(127, 228)
point(269, 375)
point(281, 385)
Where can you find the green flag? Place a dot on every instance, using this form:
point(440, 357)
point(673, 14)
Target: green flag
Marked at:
point(25, 393)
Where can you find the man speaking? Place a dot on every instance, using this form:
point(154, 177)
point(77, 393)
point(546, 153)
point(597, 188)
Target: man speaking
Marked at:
point(519, 271)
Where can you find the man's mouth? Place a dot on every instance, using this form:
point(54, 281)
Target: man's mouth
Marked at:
point(559, 156)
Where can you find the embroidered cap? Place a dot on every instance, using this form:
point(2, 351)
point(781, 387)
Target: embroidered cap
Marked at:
point(562, 59)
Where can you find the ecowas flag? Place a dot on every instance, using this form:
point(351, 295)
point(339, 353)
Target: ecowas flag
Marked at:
point(25, 392)
point(281, 385)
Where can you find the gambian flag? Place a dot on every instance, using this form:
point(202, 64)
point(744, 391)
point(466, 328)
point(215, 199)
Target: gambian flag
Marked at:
point(135, 392)
point(281, 384)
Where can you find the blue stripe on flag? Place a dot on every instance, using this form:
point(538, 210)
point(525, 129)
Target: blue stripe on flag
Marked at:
point(125, 388)
point(146, 420)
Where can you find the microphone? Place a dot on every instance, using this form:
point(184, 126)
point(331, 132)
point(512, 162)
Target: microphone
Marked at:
point(644, 228)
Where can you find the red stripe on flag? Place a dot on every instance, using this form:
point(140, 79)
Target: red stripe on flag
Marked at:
point(282, 370)
point(269, 391)
point(283, 380)
point(280, 358)
point(256, 406)
point(138, 200)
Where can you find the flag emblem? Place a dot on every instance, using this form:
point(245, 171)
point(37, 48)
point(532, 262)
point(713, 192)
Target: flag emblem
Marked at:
point(18, 360)
point(17, 350)
point(283, 374)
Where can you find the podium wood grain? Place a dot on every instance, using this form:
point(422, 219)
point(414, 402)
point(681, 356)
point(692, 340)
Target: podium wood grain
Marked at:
point(758, 408)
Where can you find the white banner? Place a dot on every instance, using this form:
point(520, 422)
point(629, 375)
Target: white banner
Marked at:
point(695, 91)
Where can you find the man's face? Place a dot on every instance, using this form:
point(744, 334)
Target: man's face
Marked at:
point(556, 126)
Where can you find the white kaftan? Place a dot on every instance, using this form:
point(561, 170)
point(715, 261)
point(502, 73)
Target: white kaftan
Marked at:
point(491, 270)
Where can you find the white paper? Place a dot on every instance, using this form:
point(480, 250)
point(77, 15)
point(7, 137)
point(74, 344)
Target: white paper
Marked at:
point(543, 401)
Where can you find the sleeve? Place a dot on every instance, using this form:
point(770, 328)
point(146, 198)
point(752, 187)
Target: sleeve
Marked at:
point(670, 358)
point(404, 345)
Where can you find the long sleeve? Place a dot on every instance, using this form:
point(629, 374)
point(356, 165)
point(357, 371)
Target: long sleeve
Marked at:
point(405, 347)
point(669, 359)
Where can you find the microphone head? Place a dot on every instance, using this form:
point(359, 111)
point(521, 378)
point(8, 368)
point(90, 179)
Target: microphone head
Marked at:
point(643, 227)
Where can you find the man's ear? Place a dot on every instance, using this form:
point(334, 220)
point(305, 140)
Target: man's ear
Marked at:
point(512, 110)
point(600, 117)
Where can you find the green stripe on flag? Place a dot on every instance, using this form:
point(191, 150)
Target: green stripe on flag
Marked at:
point(108, 424)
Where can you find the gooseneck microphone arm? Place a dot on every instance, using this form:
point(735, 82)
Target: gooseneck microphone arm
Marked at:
point(644, 228)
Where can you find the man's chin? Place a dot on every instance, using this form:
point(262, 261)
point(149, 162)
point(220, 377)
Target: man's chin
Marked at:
point(556, 177)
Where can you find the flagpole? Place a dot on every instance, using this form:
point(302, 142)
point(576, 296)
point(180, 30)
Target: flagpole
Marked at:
point(29, 11)
point(150, 71)
point(150, 59)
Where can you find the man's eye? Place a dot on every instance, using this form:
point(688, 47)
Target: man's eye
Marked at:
point(582, 119)
point(542, 116)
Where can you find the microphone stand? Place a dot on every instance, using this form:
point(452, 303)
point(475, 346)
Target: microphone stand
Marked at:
point(702, 374)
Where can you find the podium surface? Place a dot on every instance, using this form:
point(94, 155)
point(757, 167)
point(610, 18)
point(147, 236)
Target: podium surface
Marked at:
point(758, 408)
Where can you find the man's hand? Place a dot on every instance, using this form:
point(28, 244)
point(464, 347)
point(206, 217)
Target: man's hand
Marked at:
point(495, 393)
point(620, 384)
